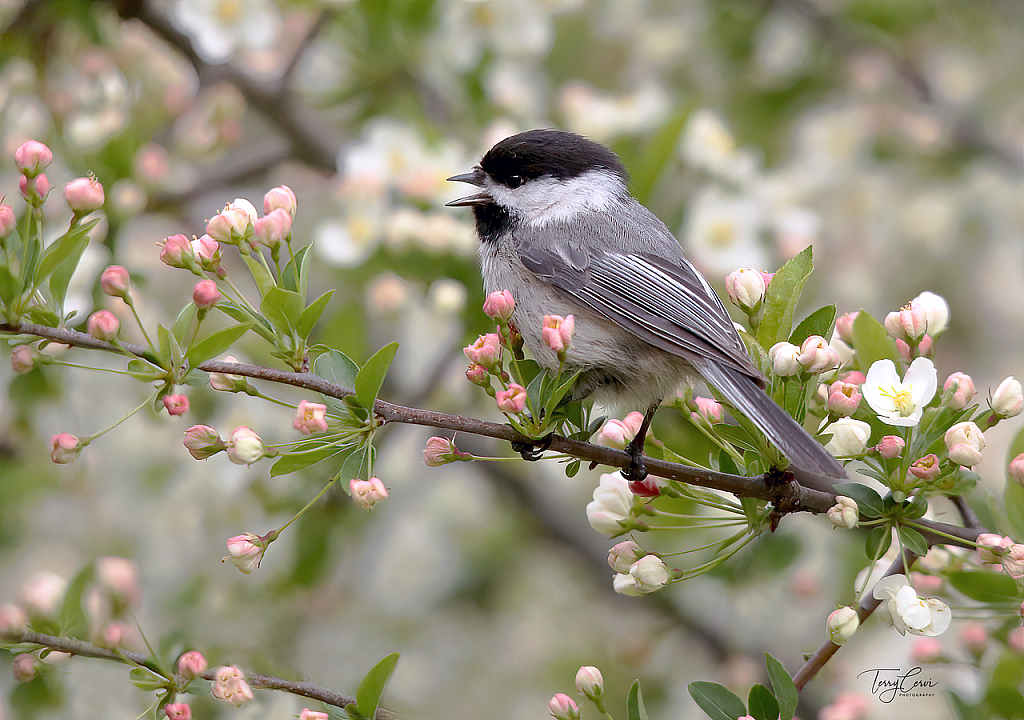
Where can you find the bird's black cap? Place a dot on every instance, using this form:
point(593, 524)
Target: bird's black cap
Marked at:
point(555, 153)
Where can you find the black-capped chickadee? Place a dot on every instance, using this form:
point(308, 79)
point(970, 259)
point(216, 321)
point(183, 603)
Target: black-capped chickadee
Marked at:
point(559, 229)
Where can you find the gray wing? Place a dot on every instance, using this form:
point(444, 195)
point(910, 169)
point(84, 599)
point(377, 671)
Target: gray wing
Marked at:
point(660, 297)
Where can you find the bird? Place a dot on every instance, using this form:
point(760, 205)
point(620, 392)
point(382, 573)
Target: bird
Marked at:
point(558, 228)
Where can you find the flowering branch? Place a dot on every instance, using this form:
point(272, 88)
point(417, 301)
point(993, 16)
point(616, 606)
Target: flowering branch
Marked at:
point(74, 646)
point(789, 497)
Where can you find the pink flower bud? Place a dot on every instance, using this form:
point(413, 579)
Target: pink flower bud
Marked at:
point(926, 650)
point(557, 331)
point(513, 400)
point(23, 359)
point(962, 388)
point(310, 418)
point(441, 451)
point(746, 288)
point(499, 306)
point(8, 221)
point(203, 441)
point(32, 157)
point(84, 195)
point(843, 398)
point(65, 448)
point(926, 468)
point(992, 547)
point(191, 664)
point(176, 404)
point(924, 348)
point(844, 326)
point(1016, 470)
point(178, 711)
point(964, 454)
point(24, 667)
point(207, 251)
point(767, 277)
point(1013, 561)
point(246, 552)
point(245, 447)
point(563, 707)
point(1007, 400)
point(854, 377)
point(590, 682)
point(229, 685)
point(273, 229)
point(619, 433)
point(282, 198)
point(206, 294)
point(708, 411)
point(785, 359)
point(12, 619)
point(486, 351)
point(891, 446)
point(622, 556)
point(103, 325)
point(477, 374)
point(230, 226)
point(308, 714)
point(816, 355)
point(367, 493)
point(115, 281)
point(176, 251)
point(909, 323)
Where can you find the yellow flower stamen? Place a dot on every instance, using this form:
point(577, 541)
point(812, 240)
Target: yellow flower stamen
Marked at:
point(901, 400)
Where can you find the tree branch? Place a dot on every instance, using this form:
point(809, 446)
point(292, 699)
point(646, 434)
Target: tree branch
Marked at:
point(74, 646)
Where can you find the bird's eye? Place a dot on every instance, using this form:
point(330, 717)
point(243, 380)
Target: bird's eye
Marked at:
point(514, 181)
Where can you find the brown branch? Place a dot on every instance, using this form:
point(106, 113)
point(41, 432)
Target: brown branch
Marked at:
point(74, 646)
point(791, 496)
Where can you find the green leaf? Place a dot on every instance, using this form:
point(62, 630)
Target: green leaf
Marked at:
point(283, 308)
point(60, 275)
point(147, 680)
point(371, 687)
point(784, 687)
point(289, 277)
point(371, 375)
point(8, 285)
point(257, 323)
point(561, 391)
point(182, 322)
point(635, 703)
point(145, 371)
point(913, 541)
point(872, 342)
point(985, 586)
point(761, 704)
point(358, 464)
point(818, 322)
point(264, 282)
point(215, 344)
point(307, 321)
point(336, 367)
point(296, 461)
point(869, 502)
point(878, 541)
point(781, 299)
point(71, 618)
point(715, 700)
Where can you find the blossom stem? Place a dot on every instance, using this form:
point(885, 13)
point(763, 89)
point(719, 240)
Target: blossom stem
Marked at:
point(312, 502)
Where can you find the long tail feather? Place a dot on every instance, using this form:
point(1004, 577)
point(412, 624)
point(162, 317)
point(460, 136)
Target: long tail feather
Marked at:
point(809, 459)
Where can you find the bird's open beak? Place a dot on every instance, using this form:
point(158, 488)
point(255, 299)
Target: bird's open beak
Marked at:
point(473, 178)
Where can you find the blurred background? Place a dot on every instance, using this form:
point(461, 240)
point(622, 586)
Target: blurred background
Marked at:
point(888, 135)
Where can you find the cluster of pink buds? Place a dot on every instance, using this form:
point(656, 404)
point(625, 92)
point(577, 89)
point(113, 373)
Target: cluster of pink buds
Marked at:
point(229, 685)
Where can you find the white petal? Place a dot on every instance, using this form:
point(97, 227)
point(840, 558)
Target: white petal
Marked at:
point(923, 379)
point(887, 587)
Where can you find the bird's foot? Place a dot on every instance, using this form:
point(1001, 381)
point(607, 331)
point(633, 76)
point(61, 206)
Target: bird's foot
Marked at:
point(532, 451)
point(636, 472)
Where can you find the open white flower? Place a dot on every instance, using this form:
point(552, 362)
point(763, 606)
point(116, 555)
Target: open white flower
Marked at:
point(910, 613)
point(896, 401)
